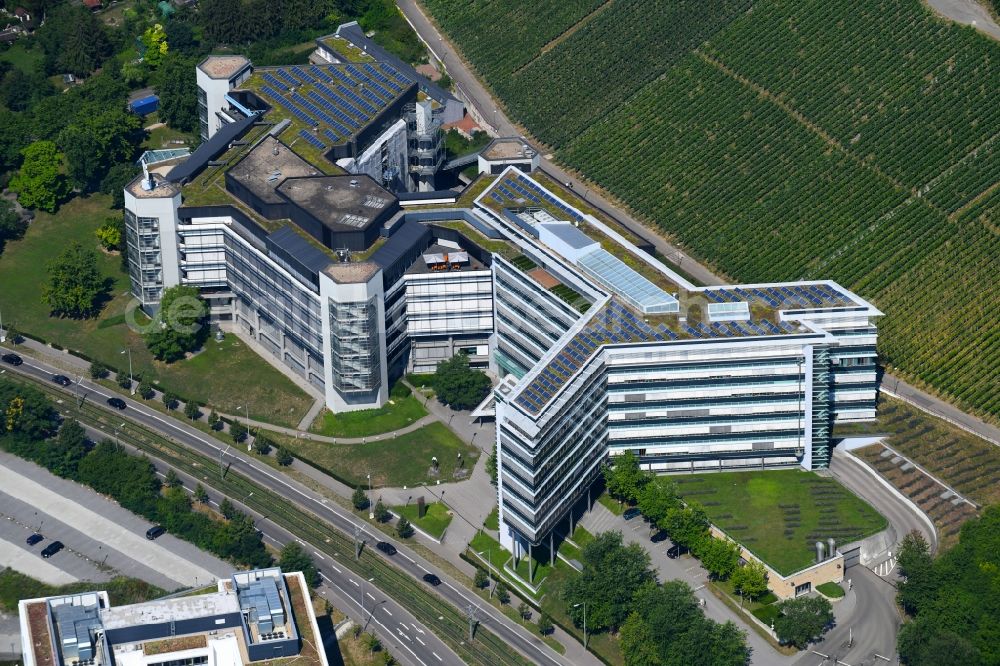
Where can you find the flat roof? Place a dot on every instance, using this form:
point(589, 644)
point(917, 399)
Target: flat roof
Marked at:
point(166, 610)
point(162, 187)
point(351, 272)
point(267, 165)
point(508, 148)
point(465, 261)
point(222, 66)
point(341, 203)
point(570, 235)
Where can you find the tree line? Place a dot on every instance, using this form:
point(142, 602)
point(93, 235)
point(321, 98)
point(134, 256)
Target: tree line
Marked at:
point(32, 430)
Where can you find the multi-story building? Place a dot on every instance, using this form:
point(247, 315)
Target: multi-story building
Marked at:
point(599, 347)
point(253, 616)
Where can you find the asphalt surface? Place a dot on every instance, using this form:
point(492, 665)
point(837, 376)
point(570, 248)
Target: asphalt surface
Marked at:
point(418, 644)
point(102, 539)
point(967, 12)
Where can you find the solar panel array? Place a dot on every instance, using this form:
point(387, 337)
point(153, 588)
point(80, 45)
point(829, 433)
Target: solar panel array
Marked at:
point(341, 99)
point(617, 324)
point(516, 187)
point(799, 296)
point(305, 134)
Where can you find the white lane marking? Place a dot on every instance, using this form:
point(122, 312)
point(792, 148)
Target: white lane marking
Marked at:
point(370, 596)
point(336, 569)
point(409, 559)
point(354, 582)
point(388, 612)
point(420, 641)
point(416, 628)
point(316, 553)
point(436, 656)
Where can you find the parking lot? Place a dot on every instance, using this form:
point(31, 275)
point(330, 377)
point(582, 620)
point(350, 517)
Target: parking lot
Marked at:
point(101, 539)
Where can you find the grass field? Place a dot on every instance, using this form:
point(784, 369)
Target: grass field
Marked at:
point(224, 375)
point(779, 515)
point(401, 461)
point(26, 60)
point(830, 589)
point(15, 586)
point(436, 519)
point(782, 140)
point(401, 410)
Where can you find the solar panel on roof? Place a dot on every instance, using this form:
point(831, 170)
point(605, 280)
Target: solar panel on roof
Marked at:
point(312, 139)
point(288, 77)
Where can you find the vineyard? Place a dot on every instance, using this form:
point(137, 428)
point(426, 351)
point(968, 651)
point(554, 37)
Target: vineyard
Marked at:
point(801, 139)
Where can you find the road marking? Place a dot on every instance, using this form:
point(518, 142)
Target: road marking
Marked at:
point(416, 628)
point(354, 582)
point(325, 577)
point(336, 569)
point(388, 612)
point(316, 553)
point(698, 588)
point(410, 559)
point(369, 594)
point(436, 656)
point(420, 641)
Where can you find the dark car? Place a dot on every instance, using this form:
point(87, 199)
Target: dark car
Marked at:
point(52, 549)
point(676, 551)
point(62, 380)
point(431, 579)
point(13, 359)
point(631, 513)
point(117, 403)
point(34, 538)
point(154, 531)
point(658, 537)
point(386, 547)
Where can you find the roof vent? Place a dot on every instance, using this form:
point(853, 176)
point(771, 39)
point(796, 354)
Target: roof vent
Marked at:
point(274, 151)
point(354, 182)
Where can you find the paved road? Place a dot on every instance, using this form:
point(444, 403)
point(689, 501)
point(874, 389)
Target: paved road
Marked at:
point(967, 12)
point(515, 635)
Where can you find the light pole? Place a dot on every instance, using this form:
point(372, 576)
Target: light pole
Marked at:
point(584, 604)
point(244, 502)
point(246, 410)
point(131, 383)
point(489, 570)
point(371, 507)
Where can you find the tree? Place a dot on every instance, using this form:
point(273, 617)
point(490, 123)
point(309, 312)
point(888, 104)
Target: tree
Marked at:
point(720, 557)
point(111, 233)
point(524, 610)
point(262, 444)
point(295, 558)
point(74, 40)
point(284, 457)
point(481, 579)
point(155, 41)
point(656, 497)
point(39, 183)
point(919, 587)
point(359, 499)
point(98, 370)
point(192, 409)
point(170, 400)
point(95, 142)
point(172, 480)
point(372, 643)
point(922, 643)
point(123, 380)
point(459, 386)
point(803, 619)
point(12, 225)
point(180, 36)
point(624, 479)
point(200, 494)
point(180, 324)
point(544, 624)
point(177, 86)
point(491, 465)
point(26, 411)
point(227, 509)
point(145, 391)
point(69, 448)
point(403, 528)
point(382, 514)
point(750, 580)
point(687, 525)
point(115, 180)
point(75, 283)
point(638, 646)
point(501, 592)
point(612, 572)
point(237, 431)
point(214, 420)
point(13, 334)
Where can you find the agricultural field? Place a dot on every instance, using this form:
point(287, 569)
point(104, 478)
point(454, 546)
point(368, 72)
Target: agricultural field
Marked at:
point(798, 140)
point(779, 515)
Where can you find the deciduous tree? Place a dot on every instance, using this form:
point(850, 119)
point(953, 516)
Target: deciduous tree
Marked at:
point(458, 385)
point(803, 619)
point(39, 183)
point(75, 284)
point(179, 327)
point(612, 572)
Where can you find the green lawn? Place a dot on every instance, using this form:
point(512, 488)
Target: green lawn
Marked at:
point(779, 515)
point(492, 521)
point(161, 137)
point(15, 586)
point(831, 589)
point(436, 518)
point(26, 60)
point(402, 461)
point(224, 376)
point(611, 504)
point(401, 410)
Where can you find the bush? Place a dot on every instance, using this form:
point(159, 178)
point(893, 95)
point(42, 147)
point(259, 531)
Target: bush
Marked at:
point(284, 457)
point(192, 410)
point(145, 391)
point(262, 444)
point(404, 530)
point(359, 499)
point(545, 624)
point(501, 592)
point(170, 400)
point(238, 432)
point(123, 380)
point(98, 370)
point(382, 514)
point(481, 579)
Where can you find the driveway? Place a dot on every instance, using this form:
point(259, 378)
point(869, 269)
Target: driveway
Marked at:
point(967, 12)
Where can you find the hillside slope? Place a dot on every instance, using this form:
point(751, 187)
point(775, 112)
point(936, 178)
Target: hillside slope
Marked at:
point(796, 139)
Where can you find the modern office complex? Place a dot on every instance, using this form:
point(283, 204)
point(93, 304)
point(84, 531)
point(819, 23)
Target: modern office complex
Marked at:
point(253, 616)
point(347, 279)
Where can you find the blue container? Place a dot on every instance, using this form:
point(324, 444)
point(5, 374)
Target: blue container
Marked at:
point(145, 106)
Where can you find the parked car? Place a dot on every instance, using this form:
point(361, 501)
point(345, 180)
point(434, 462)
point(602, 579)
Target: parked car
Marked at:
point(154, 531)
point(631, 513)
point(658, 537)
point(62, 380)
point(52, 549)
point(117, 403)
point(386, 548)
point(34, 538)
point(431, 579)
point(676, 551)
point(13, 359)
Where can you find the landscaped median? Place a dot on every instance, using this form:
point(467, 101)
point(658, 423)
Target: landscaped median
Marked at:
point(434, 522)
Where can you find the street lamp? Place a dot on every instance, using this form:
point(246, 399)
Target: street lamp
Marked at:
point(489, 570)
point(371, 507)
point(131, 383)
point(246, 409)
point(244, 502)
point(584, 604)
